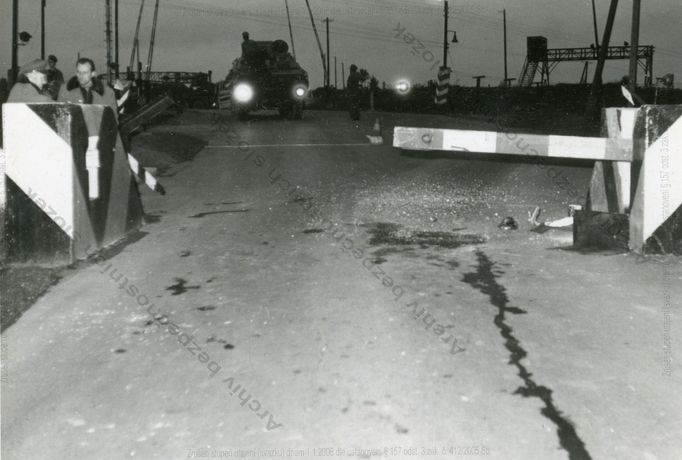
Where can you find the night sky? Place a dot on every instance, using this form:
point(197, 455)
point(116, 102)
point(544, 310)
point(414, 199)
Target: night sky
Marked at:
point(201, 35)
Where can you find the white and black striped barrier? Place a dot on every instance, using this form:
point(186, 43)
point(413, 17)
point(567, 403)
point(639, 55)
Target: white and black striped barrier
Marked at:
point(443, 85)
point(69, 186)
point(638, 168)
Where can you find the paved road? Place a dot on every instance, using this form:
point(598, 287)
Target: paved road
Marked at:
point(341, 300)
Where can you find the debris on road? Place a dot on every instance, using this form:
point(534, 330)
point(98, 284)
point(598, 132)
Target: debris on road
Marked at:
point(508, 223)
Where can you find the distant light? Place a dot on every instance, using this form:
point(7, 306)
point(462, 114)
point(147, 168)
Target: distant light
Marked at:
point(243, 92)
point(403, 86)
point(300, 90)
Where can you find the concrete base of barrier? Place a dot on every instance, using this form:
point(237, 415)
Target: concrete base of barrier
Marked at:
point(600, 231)
point(29, 234)
point(69, 188)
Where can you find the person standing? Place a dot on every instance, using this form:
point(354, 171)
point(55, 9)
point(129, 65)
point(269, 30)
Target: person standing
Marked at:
point(55, 77)
point(86, 88)
point(31, 85)
point(353, 87)
point(249, 50)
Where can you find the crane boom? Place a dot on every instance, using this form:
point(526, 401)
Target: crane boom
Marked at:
point(319, 43)
point(151, 41)
point(136, 41)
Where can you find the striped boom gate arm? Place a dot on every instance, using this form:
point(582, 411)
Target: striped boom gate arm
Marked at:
point(638, 164)
point(456, 140)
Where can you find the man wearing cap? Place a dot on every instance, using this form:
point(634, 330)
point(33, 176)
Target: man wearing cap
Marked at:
point(55, 77)
point(85, 88)
point(31, 83)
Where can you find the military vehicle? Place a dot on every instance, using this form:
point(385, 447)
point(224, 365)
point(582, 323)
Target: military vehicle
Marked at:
point(267, 78)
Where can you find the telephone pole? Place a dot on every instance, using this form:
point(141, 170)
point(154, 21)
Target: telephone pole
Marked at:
point(291, 32)
point(327, 76)
point(343, 75)
point(15, 36)
point(108, 38)
point(504, 30)
point(445, 35)
point(335, 74)
point(317, 37)
point(116, 42)
point(42, 29)
point(594, 19)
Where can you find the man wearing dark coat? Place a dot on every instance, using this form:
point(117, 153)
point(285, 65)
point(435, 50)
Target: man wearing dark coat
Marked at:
point(31, 83)
point(85, 88)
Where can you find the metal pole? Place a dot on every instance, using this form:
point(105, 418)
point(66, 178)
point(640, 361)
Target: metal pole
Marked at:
point(597, 81)
point(42, 29)
point(150, 56)
point(335, 74)
point(116, 42)
point(328, 73)
point(291, 33)
point(634, 44)
point(317, 37)
point(136, 40)
point(445, 35)
point(594, 18)
point(343, 75)
point(504, 21)
point(15, 36)
point(108, 38)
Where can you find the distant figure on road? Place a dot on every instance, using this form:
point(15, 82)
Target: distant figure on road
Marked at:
point(249, 49)
point(55, 77)
point(353, 87)
point(31, 85)
point(85, 88)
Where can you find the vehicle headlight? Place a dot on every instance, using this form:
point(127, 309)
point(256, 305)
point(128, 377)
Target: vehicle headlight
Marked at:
point(243, 92)
point(300, 91)
point(402, 86)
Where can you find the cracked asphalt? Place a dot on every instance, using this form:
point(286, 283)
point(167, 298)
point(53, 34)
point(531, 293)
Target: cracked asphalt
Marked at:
point(348, 300)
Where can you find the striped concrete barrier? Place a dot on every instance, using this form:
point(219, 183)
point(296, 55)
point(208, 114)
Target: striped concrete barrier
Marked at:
point(70, 191)
point(638, 164)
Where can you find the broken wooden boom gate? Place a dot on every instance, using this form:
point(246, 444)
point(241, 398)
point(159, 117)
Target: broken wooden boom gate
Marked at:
point(638, 162)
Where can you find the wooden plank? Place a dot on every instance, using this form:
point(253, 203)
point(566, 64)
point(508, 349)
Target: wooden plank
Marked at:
point(454, 140)
point(610, 183)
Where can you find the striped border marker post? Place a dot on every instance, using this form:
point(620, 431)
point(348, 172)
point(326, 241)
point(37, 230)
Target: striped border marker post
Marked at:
point(443, 85)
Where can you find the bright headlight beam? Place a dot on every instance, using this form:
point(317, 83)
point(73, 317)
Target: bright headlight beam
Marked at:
point(243, 92)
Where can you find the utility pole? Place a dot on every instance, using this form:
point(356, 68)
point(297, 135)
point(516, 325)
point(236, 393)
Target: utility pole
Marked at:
point(592, 104)
point(335, 74)
point(634, 43)
point(108, 38)
point(504, 22)
point(136, 41)
point(317, 37)
point(594, 19)
point(343, 75)
point(42, 29)
point(116, 43)
point(15, 44)
point(328, 80)
point(445, 35)
point(150, 56)
point(291, 33)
